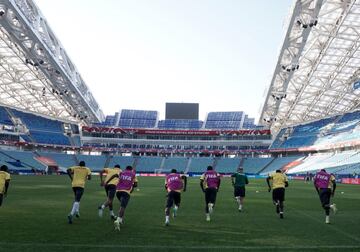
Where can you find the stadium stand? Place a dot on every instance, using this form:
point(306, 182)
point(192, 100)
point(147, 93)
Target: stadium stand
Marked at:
point(180, 124)
point(94, 162)
point(123, 161)
point(199, 164)
point(224, 120)
point(20, 160)
point(227, 165)
point(148, 164)
point(63, 160)
point(138, 118)
point(178, 163)
point(279, 163)
point(254, 165)
point(4, 117)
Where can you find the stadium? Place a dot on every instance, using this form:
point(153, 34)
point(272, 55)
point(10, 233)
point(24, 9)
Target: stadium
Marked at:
point(310, 120)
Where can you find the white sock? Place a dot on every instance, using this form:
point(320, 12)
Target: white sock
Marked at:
point(167, 218)
point(112, 213)
point(327, 218)
point(75, 208)
point(238, 200)
point(103, 206)
point(240, 206)
point(175, 208)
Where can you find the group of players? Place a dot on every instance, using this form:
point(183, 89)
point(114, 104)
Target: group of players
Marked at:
point(122, 182)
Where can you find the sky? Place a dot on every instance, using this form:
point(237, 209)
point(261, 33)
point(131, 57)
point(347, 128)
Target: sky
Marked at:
point(140, 54)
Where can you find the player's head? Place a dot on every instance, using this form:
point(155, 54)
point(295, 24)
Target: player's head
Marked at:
point(82, 163)
point(278, 171)
point(323, 170)
point(173, 171)
point(117, 166)
point(240, 169)
point(4, 168)
point(129, 168)
point(209, 168)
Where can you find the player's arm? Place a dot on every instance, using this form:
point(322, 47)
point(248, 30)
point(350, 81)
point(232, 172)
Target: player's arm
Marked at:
point(286, 182)
point(246, 180)
point(185, 182)
point(317, 189)
point(102, 178)
point(7, 183)
point(333, 186)
point(202, 185)
point(233, 179)
point(135, 184)
point(69, 173)
point(219, 183)
point(268, 183)
point(111, 178)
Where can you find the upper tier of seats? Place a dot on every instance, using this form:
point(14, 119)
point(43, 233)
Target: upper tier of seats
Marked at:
point(138, 118)
point(325, 131)
point(180, 124)
point(224, 120)
point(4, 117)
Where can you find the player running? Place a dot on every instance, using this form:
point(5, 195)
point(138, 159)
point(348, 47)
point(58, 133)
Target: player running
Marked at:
point(279, 182)
point(210, 184)
point(325, 185)
point(174, 184)
point(239, 180)
point(109, 183)
point(127, 183)
point(4, 182)
point(78, 175)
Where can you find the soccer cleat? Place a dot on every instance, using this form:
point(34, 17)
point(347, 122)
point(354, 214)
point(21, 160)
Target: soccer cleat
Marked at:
point(100, 212)
point(70, 219)
point(334, 208)
point(113, 217)
point(167, 223)
point(208, 217)
point(77, 215)
point(281, 215)
point(210, 206)
point(117, 225)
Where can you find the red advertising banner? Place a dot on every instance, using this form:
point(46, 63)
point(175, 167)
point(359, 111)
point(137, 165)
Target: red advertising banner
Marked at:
point(352, 181)
point(173, 132)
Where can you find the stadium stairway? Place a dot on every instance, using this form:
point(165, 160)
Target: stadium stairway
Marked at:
point(266, 166)
point(188, 166)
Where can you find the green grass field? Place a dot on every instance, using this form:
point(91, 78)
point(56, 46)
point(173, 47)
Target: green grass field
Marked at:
point(33, 218)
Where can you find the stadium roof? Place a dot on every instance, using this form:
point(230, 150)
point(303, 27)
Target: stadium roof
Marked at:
point(35, 72)
point(318, 64)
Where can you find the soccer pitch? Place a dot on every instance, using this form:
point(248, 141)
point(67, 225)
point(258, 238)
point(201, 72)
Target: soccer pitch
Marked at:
point(34, 218)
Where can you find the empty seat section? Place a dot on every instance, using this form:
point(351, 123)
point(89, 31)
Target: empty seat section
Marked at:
point(279, 163)
point(21, 158)
point(255, 165)
point(199, 164)
point(95, 163)
point(44, 137)
point(227, 165)
point(62, 160)
point(178, 163)
point(122, 161)
point(4, 117)
point(224, 120)
point(138, 118)
point(180, 124)
point(148, 164)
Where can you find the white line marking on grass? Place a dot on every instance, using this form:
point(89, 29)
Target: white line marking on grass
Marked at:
point(331, 226)
point(120, 246)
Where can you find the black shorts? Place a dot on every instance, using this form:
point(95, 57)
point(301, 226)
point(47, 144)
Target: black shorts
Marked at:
point(239, 191)
point(173, 197)
point(78, 192)
point(110, 191)
point(278, 194)
point(210, 195)
point(124, 198)
point(1, 198)
point(325, 195)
